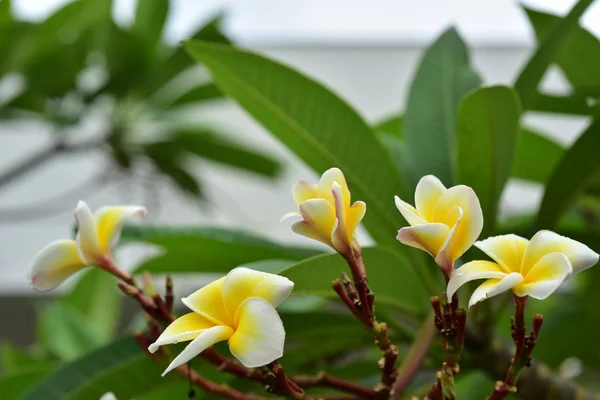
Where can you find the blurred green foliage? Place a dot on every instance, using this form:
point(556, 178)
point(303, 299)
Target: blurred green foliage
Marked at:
point(453, 127)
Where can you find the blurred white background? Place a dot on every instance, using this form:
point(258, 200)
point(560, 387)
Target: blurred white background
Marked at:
point(366, 51)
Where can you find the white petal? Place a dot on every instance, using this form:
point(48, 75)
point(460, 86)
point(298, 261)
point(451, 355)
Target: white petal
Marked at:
point(206, 339)
point(260, 336)
point(242, 283)
point(183, 329)
point(506, 250)
point(110, 221)
point(545, 276)
point(471, 220)
point(472, 271)
point(494, 287)
point(55, 263)
point(326, 184)
point(409, 213)
point(108, 396)
point(289, 215)
point(87, 239)
point(545, 242)
point(427, 237)
point(428, 191)
point(446, 257)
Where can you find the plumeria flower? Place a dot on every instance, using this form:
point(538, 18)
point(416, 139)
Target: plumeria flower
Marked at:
point(96, 234)
point(445, 222)
point(326, 212)
point(239, 308)
point(533, 268)
point(108, 396)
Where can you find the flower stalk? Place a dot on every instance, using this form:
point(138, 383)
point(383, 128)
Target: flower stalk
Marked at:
point(524, 345)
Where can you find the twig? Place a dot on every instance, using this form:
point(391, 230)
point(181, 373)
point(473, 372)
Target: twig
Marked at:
point(325, 380)
point(414, 359)
point(41, 156)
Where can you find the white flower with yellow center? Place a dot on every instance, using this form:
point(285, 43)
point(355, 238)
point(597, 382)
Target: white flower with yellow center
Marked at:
point(97, 233)
point(239, 308)
point(445, 222)
point(533, 268)
point(326, 212)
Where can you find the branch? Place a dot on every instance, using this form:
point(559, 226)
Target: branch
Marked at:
point(414, 359)
point(41, 156)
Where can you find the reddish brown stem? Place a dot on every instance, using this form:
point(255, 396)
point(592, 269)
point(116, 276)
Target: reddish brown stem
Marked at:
point(325, 380)
point(523, 348)
point(351, 305)
point(169, 294)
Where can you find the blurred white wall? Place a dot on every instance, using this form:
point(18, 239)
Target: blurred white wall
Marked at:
point(367, 54)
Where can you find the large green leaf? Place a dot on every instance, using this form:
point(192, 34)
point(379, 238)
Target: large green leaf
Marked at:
point(96, 297)
point(150, 17)
point(579, 165)
point(546, 53)
point(12, 385)
point(570, 105)
point(392, 125)
point(536, 156)
point(208, 249)
point(121, 367)
point(392, 278)
point(488, 128)
point(315, 124)
point(443, 77)
point(579, 53)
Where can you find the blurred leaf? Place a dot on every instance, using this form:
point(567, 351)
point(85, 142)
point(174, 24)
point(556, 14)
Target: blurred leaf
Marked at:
point(5, 13)
point(536, 156)
point(579, 53)
point(547, 52)
point(166, 160)
point(65, 332)
point(13, 359)
point(119, 152)
point(179, 60)
point(207, 249)
point(149, 21)
point(95, 297)
point(121, 367)
point(474, 386)
point(573, 105)
point(393, 125)
point(12, 385)
point(216, 147)
point(127, 59)
point(443, 77)
point(576, 168)
point(321, 129)
point(392, 278)
point(486, 141)
point(198, 94)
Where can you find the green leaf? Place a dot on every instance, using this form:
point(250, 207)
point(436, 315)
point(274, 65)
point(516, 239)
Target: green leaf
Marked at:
point(198, 94)
point(393, 125)
point(169, 164)
point(12, 385)
point(536, 156)
point(315, 124)
point(486, 141)
point(216, 147)
point(13, 359)
point(443, 77)
point(208, 249)
point(546, 53)
point(391, 277)
point(6, 17)
point(579, 53)
point(121, 367)
point(65, 332)
point(570, 105)
point(579, 165)
point(95, 296)
point(150, 17)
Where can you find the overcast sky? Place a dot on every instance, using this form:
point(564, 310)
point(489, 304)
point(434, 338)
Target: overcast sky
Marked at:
point(348, 21)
